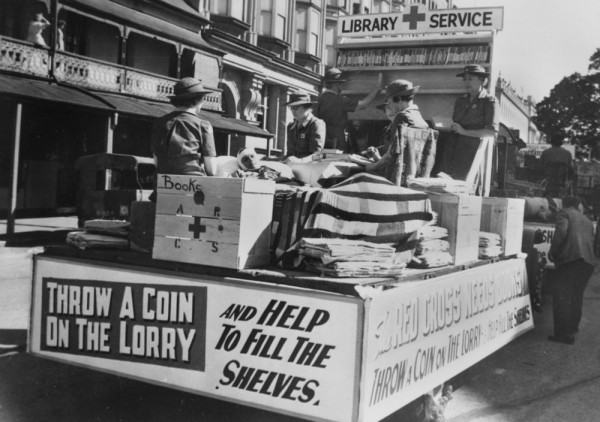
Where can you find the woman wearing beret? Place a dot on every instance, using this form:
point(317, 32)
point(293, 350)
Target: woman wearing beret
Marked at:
point(182, 142)
point(475, 116)
point(306, 134)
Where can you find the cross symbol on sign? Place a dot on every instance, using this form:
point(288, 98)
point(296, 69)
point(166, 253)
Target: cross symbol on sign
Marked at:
point(413, 17)
point(197, 228)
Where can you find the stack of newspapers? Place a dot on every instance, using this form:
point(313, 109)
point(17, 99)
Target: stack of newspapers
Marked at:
point(350, 258)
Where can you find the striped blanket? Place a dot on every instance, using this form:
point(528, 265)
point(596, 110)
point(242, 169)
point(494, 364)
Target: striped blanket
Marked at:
point(413, 154)
point(368, 207)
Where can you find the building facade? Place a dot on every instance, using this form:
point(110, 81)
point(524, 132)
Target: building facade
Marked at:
point(121, 58)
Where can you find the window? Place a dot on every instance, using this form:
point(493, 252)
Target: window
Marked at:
point(274, 18)
point(232, 8)
point(308, 30)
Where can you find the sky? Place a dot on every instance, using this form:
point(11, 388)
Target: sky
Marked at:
point(542, 41)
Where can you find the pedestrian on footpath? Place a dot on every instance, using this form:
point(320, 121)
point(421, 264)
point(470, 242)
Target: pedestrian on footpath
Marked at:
point(572, 251)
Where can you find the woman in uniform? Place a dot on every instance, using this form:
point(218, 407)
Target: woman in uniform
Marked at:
point(474, 117)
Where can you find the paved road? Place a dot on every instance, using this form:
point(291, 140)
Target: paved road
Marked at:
point(529, 380)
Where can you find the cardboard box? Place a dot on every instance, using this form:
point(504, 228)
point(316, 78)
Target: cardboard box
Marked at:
point(504, 216)
point(461, 216)
point(216, 221)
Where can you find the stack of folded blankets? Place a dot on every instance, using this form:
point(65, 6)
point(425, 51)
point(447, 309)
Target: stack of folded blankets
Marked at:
point(439, 185)
point(432, 248)
point(490, 245)
point(101, 234)
point(350, 258)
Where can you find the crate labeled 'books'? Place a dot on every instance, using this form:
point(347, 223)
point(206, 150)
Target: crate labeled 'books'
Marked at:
point(216, 221)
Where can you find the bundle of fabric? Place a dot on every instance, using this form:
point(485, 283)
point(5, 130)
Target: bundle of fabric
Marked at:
point(413, 152)
point(83, 240)
point(490, 245)
point(432, 249)
point(439, 185)
point(350, 258)
point(370, 208)
point(107, 227)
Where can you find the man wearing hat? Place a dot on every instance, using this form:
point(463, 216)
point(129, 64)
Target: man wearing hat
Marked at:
point(400, 103)
point(182, 142)
point(475, 116)
point(333, 108)
point(306, 134)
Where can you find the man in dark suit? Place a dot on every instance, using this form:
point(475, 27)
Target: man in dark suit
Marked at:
point(572, 251)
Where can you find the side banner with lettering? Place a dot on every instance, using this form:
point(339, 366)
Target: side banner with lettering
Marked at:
point(277, 348)
point(421, 336)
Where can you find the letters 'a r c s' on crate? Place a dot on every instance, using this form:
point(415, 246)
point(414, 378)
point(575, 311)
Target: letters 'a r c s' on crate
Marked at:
point(216, 221)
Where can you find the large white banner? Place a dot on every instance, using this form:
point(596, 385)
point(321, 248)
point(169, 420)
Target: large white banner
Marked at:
point(420, 336)
point(288, 350)
point(418, 19)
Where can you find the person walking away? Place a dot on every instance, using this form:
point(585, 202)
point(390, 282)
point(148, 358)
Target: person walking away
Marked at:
point(475, 116)
point(306, 134)
point(182, 142)
point(36, 27)
point(572, 251)
point(400, 102)
point(558, 168)
point(333, 107)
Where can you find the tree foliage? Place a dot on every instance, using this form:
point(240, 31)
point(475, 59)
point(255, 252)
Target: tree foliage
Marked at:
point(572, 109)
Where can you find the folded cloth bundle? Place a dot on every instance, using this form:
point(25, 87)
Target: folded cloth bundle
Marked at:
point(431, 232)
point(107, 227)
point(368, 207)
point(83, 240)
point(490, 245)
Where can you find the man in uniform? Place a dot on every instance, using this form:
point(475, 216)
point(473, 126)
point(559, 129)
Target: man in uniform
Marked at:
point(333, 108)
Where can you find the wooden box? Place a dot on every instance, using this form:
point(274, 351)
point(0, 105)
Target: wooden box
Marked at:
point(461, 216)
point(216, 221)
point(504, 216)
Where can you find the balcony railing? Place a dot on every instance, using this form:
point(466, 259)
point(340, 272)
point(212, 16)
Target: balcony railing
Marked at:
point(23, 58)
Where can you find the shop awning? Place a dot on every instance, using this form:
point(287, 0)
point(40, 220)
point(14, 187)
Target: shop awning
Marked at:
point(33, 89)
point(139, 107)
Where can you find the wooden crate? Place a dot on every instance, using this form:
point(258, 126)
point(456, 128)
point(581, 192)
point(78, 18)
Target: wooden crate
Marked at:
point(461, 216)
point(216, 221)
point(504, 216)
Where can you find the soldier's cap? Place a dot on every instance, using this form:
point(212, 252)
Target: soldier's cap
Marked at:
point(334, 75)
point(474, 69)
point(299, 98)
point(400, 88)
point(188, 88)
